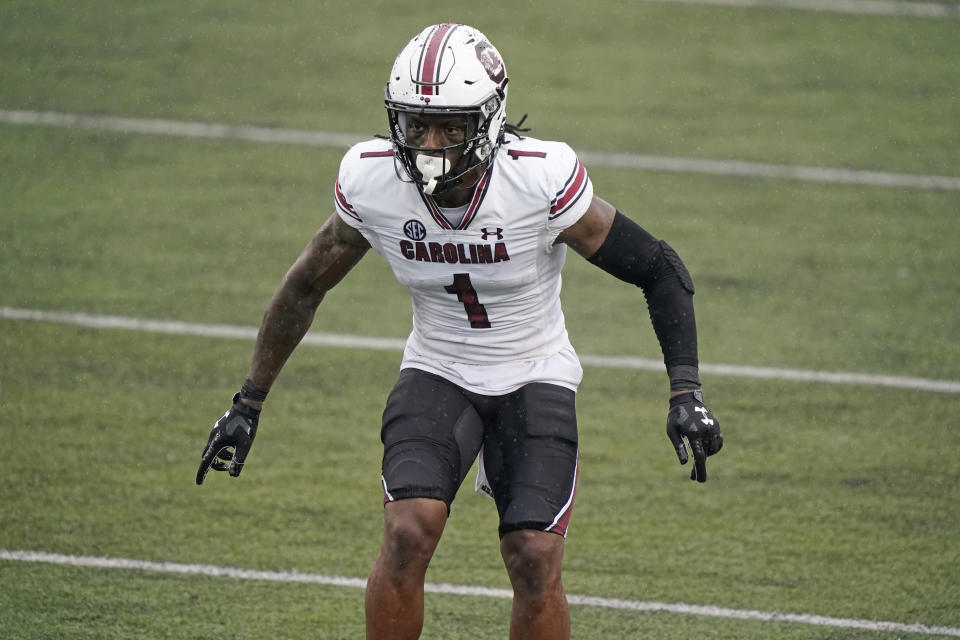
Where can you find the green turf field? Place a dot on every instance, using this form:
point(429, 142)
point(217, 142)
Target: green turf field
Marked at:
point(828, 500)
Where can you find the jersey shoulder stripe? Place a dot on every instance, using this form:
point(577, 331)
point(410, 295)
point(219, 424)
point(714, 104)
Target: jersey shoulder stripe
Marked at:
point(549, 170)
point(343, 205)
point(571, 192)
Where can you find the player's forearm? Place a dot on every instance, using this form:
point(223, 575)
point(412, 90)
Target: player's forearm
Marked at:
point(287, 319)
point(330, 255)
point(633, 255)
point(670, 303)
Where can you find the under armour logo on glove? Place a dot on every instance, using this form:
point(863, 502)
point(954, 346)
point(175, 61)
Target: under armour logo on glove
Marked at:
point(706, 413)
point(690, 419)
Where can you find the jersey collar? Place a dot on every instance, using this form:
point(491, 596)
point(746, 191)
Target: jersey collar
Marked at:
point(479, 193)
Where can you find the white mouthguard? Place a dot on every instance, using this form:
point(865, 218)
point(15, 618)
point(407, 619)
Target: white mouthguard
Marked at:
point(432, 167)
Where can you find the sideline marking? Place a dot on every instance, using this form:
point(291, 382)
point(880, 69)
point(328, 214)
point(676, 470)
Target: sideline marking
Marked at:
point(314, 338)
point(472, 591)
point(598, 159)
point(864, 7)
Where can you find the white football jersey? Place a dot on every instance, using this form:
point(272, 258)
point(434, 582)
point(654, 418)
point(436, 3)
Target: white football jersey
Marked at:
point(485, 292)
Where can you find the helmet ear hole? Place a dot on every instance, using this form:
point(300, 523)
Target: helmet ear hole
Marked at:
point(483, 150)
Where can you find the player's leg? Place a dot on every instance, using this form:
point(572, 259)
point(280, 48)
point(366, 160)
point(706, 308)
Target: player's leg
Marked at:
point(394, 597)
point(431, 434)
point(534, 561)
point(531, 459)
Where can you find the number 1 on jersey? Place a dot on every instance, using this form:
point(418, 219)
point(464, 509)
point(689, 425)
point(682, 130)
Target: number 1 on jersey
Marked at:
point(466, 294)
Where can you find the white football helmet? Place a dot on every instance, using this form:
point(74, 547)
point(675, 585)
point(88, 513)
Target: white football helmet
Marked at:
point(447, 69)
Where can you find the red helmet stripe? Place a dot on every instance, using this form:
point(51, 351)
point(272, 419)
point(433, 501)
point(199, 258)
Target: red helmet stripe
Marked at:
point(430, 63)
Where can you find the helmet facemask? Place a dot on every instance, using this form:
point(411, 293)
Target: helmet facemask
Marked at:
point(437, 169)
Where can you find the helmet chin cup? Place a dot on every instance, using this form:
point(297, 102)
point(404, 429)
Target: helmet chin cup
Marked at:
point(431, 168)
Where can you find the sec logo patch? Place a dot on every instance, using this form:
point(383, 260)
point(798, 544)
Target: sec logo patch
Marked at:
point(414, 230)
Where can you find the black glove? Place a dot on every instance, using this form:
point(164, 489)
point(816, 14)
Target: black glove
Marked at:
point(235, 429)
point(689, 418)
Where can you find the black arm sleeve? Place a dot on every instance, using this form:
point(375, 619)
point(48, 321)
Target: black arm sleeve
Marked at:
point(633, 255)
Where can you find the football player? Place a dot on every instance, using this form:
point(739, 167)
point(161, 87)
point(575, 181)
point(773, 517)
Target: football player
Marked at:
point(475, 220)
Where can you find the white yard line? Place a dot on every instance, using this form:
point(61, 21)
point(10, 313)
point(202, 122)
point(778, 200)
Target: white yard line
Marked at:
point(596, 159)
point(178, 128)
point(744, 169)
point(863, 7)
point(473, 591)
point(176, 327)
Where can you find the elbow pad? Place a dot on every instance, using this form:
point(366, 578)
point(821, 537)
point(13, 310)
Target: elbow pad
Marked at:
point(633, 255)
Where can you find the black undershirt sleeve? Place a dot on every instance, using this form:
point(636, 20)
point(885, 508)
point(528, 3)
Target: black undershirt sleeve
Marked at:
point(633, 255)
